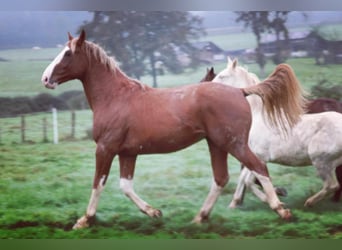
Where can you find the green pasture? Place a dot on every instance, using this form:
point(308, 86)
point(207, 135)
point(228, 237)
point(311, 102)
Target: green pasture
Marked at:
point(234, 41)
point(21, 71)
point(45, 188)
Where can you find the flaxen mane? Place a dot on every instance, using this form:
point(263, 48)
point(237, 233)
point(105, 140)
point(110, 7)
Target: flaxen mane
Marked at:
point(95, 51)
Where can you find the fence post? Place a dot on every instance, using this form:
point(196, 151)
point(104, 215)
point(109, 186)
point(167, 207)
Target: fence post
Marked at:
point(73, 122)
point(55, 125)
point(45, 139)
point(23, 127)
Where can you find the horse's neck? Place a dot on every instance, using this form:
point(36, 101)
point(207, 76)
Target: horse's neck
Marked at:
point(102, 85)
point(254, 101)
point(256, 104)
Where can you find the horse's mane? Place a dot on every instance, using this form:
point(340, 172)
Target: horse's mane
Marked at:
point(255, 79)
point(95, 51)
point(100, 55)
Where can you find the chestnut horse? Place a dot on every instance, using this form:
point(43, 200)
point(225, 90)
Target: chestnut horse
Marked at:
point(314, 140)
point(130, 118)
point(313, 106)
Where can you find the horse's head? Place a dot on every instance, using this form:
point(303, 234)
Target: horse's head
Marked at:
point(235, 75)
point(68, 65)
point(209, 76)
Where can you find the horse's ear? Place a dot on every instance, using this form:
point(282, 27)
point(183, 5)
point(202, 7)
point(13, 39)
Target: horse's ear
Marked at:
point(211, 70)
point(235, 62)
point(70, 37)
point(229, 61)
point(81, 38)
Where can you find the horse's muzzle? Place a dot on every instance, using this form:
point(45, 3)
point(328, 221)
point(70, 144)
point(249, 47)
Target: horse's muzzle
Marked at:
point(48, 84)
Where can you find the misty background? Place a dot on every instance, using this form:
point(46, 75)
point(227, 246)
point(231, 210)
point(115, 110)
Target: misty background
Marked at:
point(26, 29)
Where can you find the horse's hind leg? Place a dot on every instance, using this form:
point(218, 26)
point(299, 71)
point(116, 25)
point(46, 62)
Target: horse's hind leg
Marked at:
point(338, 192)
point(220, 172)
point(325, 171)
point(127, 165)
point(259, 169)
point(329, 186)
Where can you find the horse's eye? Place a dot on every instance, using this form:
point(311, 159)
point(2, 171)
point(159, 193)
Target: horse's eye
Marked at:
point(67, 53)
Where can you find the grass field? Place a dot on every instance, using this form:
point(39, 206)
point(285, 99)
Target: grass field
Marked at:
point(44, 187)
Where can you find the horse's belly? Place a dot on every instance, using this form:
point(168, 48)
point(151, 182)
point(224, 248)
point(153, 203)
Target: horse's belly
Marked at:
point(291, 160)
point(290, 154)
point(276, 150)
point(161, 144)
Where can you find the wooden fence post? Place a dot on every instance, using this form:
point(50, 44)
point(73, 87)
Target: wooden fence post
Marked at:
point(73, 122)
point(45, 139)
point(55, 125)
point(23, 128)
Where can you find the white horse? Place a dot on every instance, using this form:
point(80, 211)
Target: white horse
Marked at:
point(315, 140)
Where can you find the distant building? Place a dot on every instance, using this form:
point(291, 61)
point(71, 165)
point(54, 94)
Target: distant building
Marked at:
point(209, 51)
point(305, 44)
point(324, 49)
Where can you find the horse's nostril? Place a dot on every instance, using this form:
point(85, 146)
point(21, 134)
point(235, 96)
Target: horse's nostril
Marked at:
point(46, 79)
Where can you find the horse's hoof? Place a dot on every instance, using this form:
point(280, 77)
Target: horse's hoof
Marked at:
point(309, 203)
point(200, 218)
point(157, 213)
point(281, 191)
point(286, 214)
point(233, 205)
point(153, 213)
point(197, 220)
point(81, 223)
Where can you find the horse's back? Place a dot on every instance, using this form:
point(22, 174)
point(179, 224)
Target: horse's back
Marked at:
point(313, 136)
point(325, 140)
point(225, 113)
point(222, 99)
point(324, 105)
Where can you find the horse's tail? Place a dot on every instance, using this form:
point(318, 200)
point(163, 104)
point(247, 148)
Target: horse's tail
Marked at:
point(282, 96)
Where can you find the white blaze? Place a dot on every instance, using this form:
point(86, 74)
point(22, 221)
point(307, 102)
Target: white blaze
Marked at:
point(48, 71)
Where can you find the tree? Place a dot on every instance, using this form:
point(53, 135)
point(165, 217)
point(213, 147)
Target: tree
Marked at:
point(266, 21)
point(141, 40)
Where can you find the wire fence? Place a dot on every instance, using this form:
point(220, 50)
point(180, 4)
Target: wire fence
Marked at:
point(46, 127)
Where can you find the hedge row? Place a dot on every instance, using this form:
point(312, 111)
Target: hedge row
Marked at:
point(70, 100)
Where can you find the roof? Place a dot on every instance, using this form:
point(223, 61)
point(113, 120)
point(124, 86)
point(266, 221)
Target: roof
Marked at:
point(207, 45)
point(292, 35)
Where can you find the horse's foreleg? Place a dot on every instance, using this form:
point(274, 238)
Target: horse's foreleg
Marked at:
point(240, 188)
point(246, 179)
point(220, 171)
point(103, 163)
point(259, 169)
point(127, 165)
